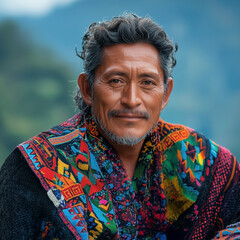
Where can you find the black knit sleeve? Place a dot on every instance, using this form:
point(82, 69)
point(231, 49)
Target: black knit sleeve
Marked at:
point(25, 210)
point(230, 210)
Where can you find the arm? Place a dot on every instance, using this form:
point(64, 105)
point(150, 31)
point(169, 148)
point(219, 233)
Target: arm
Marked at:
point(25, 210)
point(230, 210)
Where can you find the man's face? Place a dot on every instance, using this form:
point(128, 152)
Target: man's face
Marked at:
point(128, 92)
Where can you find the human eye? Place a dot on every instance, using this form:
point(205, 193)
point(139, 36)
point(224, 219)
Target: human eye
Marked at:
point(115, 82)
point(148, 83)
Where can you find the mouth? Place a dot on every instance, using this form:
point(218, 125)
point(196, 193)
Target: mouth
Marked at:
point(129, 114)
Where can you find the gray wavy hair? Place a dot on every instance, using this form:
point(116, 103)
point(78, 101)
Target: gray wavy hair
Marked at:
point(128, 28)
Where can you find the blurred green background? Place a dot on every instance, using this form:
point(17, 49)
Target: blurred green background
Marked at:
point(39, 67)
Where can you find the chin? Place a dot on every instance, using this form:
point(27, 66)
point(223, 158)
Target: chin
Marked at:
point(129, 138)
point(125, 140)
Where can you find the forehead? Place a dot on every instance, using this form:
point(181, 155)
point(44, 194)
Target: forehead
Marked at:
point(143, 54)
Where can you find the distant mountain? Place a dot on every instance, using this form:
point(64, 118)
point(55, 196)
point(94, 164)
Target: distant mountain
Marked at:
point(34, 88)
point(197, 24)
point(206, 93)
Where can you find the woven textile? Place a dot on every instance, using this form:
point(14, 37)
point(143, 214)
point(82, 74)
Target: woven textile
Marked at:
point(184, 186)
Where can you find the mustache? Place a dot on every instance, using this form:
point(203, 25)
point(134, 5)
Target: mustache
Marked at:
point(115, 113)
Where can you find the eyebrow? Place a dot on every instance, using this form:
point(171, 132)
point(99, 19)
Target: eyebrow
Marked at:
point(118, 73)
point(123, 74)
point(150, 75)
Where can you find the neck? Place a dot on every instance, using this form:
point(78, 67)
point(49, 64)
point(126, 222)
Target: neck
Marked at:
point(129, 156)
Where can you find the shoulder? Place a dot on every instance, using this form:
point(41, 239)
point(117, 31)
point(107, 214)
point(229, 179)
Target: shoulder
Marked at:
point(17, 169)
point(184, 140)
point(191, 158)
point(190, 143)
point(45, 147)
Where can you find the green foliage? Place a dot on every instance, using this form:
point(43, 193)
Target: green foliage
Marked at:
point(35, 88)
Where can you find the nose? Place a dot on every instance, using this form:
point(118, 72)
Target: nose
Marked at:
point(131, 96)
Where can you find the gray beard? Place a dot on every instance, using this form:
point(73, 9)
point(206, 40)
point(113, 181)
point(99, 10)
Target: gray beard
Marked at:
point(126, 140)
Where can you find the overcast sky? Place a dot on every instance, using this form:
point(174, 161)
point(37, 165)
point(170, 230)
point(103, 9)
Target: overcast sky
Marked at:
point(30, 7)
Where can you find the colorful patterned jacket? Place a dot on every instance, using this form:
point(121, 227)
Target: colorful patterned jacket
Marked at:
point(184, 186)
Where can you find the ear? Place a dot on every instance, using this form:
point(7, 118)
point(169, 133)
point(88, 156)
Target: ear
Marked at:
point(167, 93)
point(85, 89)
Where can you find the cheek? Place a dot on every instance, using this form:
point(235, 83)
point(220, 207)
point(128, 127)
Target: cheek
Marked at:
point(153, 102)
point(103, 101)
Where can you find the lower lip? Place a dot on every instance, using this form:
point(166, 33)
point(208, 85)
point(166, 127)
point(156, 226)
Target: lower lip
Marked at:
point(130, 119)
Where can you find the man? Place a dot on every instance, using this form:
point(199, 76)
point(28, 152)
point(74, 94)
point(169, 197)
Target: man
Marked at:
point(117, 171)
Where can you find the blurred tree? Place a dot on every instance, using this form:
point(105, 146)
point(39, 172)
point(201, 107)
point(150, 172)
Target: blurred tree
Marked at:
point(35, 88)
